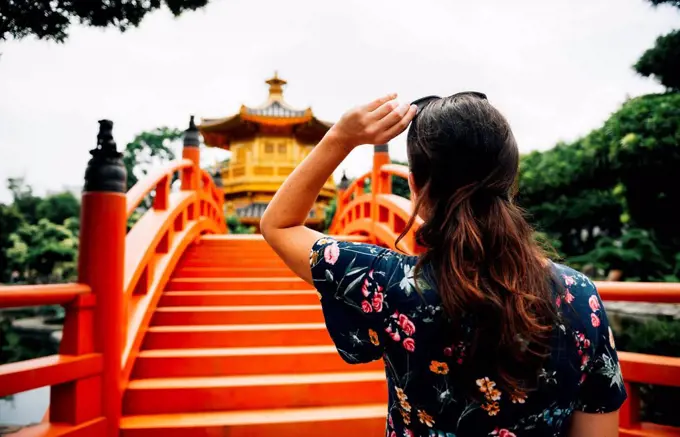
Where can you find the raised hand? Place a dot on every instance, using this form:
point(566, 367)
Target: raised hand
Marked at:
point(374, 123)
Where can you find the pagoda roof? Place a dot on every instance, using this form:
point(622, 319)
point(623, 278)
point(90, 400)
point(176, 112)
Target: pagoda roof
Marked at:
point(274, 112)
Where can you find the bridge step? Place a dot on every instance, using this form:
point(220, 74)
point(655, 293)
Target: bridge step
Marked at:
point(231, 272)
point(170, 363)
point(237, 314)
point(361, 420)
point(247, 335)
point(255, 297)
point(220, 284)
point(253, 392)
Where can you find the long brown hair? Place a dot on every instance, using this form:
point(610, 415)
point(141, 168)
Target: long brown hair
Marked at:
point(486, 264)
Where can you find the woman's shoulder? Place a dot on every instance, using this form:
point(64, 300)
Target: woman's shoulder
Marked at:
point(359, 254)
point(578, 299)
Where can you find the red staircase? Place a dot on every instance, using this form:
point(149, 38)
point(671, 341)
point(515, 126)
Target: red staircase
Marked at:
point(237, 347)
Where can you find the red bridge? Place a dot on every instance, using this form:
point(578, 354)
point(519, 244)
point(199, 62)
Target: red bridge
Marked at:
point(177, 329)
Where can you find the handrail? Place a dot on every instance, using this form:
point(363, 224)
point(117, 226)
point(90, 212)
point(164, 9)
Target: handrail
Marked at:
point(139, 191)
point(395, 170)
point(50, 370)
point(657, 292)
point(12, 296)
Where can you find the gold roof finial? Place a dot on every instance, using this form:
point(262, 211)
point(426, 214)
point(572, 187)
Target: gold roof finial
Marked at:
point(276, 87)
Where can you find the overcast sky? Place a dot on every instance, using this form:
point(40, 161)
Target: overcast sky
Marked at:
point(557, 69)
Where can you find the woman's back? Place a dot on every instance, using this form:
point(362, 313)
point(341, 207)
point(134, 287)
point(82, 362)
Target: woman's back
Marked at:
point(373, 310)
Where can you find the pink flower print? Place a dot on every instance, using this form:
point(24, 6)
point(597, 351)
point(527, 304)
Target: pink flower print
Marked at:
point(558, 301)
point(586, 343)
point(378, 302)
point(393, 334)
point(406, 325)
point(370, 274)
point(584, 360)
point(390, 421)
point(568, 297)
point(583, 379)
point(568, 280)
point(331, 253)
point(364, 288)
point(409, 344)
point(366, 307)
point(594, 303)
point(448, 351)
point(503, 433)
point(393, 434)
point(408, 433)
point(594, 320)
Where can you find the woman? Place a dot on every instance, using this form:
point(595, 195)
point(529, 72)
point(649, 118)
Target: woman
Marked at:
point(481, 334)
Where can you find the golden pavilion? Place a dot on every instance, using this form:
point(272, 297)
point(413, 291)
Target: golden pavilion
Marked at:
point(267, 142)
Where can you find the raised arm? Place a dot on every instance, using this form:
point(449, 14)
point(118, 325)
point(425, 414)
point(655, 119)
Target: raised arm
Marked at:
point(282, 224)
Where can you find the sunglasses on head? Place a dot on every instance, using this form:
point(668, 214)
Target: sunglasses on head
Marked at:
point(422, 102)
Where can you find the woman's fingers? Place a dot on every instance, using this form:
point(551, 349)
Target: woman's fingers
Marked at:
point(375, 104)
point(383, 110)
point(393, 117)
point(401, 125)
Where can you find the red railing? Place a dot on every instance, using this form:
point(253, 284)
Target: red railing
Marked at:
point(382, 216)
point(121, 276)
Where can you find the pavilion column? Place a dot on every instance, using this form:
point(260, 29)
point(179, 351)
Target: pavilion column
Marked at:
point(380, 184)
point(101, 257)
point(191, 176)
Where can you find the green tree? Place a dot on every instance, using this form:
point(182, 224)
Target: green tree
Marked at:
point(236, 227)
point(10, 221)
point(50, 20)
point(636, 253)
point(59, 207)
point(25, 202)
point(662, 62)
point(43, 252)
point(140, 153)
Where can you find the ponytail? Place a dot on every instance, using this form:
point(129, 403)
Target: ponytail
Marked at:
point(489, 270)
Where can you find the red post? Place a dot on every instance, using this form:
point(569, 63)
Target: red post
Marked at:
point(191, 177)
point(381, 156)
point(101, 263)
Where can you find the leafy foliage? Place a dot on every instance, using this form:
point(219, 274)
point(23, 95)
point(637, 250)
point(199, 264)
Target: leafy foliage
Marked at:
point(620, 176)
point(59, 207)
point(236, 227)
point(636, 253)
point(145, 148)
point(657, 337)
point(662, 62)
point(51, 20)
point(44, 252)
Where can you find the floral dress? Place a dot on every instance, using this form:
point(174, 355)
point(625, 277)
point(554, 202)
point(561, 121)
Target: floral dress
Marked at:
point(372, 311)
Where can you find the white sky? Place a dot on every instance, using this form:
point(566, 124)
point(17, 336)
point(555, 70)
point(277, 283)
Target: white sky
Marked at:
point(557, 69)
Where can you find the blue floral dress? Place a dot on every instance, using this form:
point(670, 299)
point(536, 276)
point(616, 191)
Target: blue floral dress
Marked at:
point(372, 310)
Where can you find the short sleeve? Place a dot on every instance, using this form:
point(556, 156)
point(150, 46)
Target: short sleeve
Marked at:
point(602, 389)
point(350, 277)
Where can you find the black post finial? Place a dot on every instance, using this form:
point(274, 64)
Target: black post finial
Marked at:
point(191, 138)
point(377, 148)
point(344, 181)
point(105, 170)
